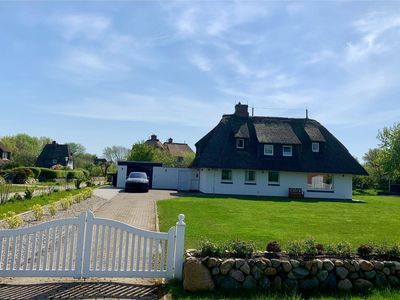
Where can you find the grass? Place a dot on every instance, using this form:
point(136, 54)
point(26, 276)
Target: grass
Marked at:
point(369, 219)
point(176, 292)
point(20, 206)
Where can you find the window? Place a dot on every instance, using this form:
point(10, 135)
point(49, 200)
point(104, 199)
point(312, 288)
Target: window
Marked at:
point(226, 176)
point(54, 161)
point(320, 182)
point(287, 150)
point(315, 147)
point(273, 178)
point(250, 177)
point(269, 150)
point(4, 155)
point(240, 143)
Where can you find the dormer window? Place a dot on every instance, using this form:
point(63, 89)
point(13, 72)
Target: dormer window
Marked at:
point(315, 147)
point(287, 150)
point(269, 150)
point(240, 144)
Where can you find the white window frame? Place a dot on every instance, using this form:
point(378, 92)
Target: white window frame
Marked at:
point(274, 182)
point(4, 155)
point(270, 147)
point(322, 188)
point(226, 180)
point(287, 154)
point(246, 177)
point(315, 147)
point(237, 143)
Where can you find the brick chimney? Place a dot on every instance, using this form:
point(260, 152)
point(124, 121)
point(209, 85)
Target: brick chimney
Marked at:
point(170, 140)
point(153, 137)
point(242, 110)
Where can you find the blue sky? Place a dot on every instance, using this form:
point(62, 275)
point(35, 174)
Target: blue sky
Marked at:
point(105, 73)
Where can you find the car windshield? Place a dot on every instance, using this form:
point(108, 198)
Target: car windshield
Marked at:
point(138, 175)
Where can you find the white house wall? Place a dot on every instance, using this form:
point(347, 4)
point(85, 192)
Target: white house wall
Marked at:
point(183, 179)
point(210, 183)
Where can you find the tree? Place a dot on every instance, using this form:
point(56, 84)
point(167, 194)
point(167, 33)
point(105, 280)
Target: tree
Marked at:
point(389, 155)
point(25, 148)
point(188, 159)
point(76, 148)
point(116, 153)
point(142, 152)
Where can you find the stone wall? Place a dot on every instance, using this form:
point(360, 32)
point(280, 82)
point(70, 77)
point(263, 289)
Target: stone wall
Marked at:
point(288, 275)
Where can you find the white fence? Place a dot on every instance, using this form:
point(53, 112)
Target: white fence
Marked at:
point(181, 179)
point(86, 247)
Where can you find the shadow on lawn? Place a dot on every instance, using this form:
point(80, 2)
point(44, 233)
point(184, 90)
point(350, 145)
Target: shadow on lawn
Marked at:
point(262, 198)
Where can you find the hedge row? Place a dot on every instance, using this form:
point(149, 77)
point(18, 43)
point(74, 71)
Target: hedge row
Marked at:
point(19, 175)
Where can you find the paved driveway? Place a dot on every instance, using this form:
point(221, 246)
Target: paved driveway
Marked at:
point(136, 209)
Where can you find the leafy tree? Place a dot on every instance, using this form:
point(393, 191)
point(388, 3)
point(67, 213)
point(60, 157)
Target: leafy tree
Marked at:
point(389, 155)
point(25, 148)
point(188, 159)
point(142, 152)
point(116, 153)
point(76, 148)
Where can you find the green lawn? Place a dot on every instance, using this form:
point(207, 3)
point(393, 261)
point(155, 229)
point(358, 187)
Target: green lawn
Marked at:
point(371, 218)
point(19, 206)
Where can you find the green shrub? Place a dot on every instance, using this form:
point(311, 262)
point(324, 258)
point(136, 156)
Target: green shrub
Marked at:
point(66, 203)
point(310, 247)
point(343, 250)
point(12, 219)
point(208, 248)
point(36, 172)
point(273, 246)
point(38, 212)
point(240, 249)
point(295, 248)
point(17, 197)
point(365, 250)
point(53, 208)
point(47, 174)
point(78, 198)
point(28, 193)
point(20, 175)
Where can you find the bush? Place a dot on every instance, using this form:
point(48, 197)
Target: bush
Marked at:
point(36, 172)
point(21, 175)
point(53, 208)
point(12, 219)
point(273, 246)
point(78, 198)
point(365, 250)
point(208, 248)
point(310, 247)
point(295, 248)
point(320, 249)
point(38, 212)
point(343, 250)
point(28, 193)
point(66, 203)
point(17, 197)
point(47, 174)
point(240, 249)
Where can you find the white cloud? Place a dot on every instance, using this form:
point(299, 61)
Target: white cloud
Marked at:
point(201, 62)
point(89, 26)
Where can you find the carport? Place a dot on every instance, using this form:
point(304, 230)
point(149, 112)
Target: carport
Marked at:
point(126, 167)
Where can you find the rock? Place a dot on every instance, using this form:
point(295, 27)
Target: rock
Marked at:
point(328, 265)
point(237, 275)
point(197, 277)
point(295, 263)
point(265, 283)
point(314, 270)
point(245, 268)
point(270, 271)
point(342, 272)
point(309, 284)
point(380, 279)
point(257, 273)
point(370, 274)
point(319, 264)
point(300, 273)
point(275, 262)
point(349, 266)
point(286, 266)
point(362, 284)
point(227, 283)
point(354, 275)
point(239, 262)
point(330, 283)
point(356, 265)
point(397, 265)
point(215, 271)
point(394, 281)
point(277, 283)
point(249, 283)
point(308, 264)
point(226, 266)
point(388, 263)
point(261, 263)
point(386, 271)
point(366, 265)
point(212, 262)
point(290, 285)
point(322, 275)
point(345, 285)
point(339, 263)
point(378, 265)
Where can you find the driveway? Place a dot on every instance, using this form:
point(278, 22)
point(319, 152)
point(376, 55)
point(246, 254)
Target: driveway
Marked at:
point(136, 209)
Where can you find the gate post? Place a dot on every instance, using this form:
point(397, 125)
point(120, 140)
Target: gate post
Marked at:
point(179, 246)
point(87, 246)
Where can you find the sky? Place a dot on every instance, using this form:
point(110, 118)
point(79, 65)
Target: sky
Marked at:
point(104, 73)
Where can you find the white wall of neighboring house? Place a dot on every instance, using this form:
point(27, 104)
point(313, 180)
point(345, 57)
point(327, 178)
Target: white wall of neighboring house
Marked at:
point(182, 179)
point(210, 183)
point(121, 176)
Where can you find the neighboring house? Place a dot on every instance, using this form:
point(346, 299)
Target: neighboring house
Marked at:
point(177, 150)
point(265, 156)
point(5, 154)
point(55, 154)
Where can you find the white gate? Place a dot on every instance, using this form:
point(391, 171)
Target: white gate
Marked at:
point(91, 247)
